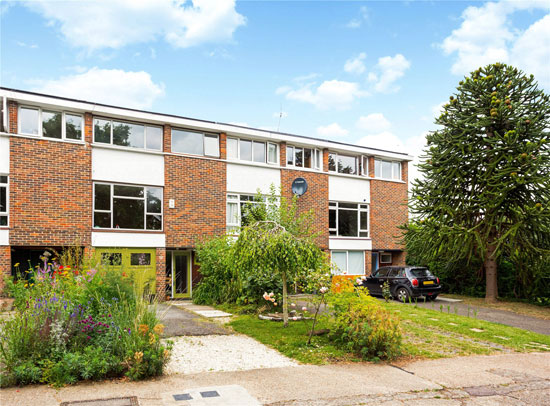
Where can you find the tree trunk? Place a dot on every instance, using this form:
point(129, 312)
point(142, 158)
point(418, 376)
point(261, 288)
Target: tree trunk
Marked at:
point(490, 265)
point(285, 302)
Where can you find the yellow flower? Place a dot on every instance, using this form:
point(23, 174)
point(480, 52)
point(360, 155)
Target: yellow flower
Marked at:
point(166, 353)
point(152, 338)
point(26, 285)
point(138, 356)
point(143, 328)
point(17, 264)
point(159, 329)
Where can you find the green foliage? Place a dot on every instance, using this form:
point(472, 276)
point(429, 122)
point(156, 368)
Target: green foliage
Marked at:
point(485, 192)
point(74, 323)
point(363, 326)
point(386, 292)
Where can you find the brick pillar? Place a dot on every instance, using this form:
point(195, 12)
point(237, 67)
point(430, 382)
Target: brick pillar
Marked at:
point(404, 171)
point(398, 258)
point(223, 146)
point(371, 166)
point(325, 160)
point(161, 274)
point(368, 262)
point(167, 139)
point(282, 153)
point(5, 264)
point(88, 128)
point(12, 117)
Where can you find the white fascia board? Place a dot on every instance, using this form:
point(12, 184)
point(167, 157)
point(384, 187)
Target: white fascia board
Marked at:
point(207, 126)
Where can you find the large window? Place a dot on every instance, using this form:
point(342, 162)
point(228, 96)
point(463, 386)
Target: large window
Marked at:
point(127, 207)
point(348, 262)
point(50, 124)
point(253, 151)
point(343, 163)
point(4, 195)
point(348, 219)
point(387, 169)
point(237, 209)
point(126, 134)
point(303, 157)
point(195, 143)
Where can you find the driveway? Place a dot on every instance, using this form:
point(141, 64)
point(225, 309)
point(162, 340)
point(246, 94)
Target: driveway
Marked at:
point(181, 322)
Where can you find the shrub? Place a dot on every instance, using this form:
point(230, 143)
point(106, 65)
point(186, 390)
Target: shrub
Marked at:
point(362, 326)
point(74, 323)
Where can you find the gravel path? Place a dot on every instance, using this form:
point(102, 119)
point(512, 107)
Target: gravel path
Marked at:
point(222, 353)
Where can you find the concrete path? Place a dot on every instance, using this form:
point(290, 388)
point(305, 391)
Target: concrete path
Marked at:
point(180, 322)
point(508, 379)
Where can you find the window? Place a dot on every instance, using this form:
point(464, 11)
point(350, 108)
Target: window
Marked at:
point(127, 207)
point(4, 195)
point(253, 151)
point(303, 157)
point(237, 209)
point(126, 134)
point(348, 219)
point(140, 259)
point(387, 169)
point(195, 143)
point(386, 258)
point(50, 124)
point(342, 163)
point(348, 262)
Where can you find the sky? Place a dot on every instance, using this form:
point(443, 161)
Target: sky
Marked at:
point(374, 73)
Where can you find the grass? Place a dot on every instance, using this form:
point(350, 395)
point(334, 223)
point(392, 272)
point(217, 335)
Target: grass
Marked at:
point(426, 334)
point(526, 309)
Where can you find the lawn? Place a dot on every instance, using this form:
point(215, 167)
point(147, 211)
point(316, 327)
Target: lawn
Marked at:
point(427, 333)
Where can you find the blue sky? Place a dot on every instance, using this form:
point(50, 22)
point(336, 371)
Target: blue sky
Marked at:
point(372, 72)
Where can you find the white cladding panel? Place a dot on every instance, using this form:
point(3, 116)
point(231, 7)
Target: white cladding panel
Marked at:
point(248, 178)
point(349, 244)
point(344, 189)
point(4, 155)
point(112, 165)
point(128, 240)
point(4, 237)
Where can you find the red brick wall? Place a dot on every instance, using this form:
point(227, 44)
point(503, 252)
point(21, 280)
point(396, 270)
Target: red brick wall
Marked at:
point(316, 198)
point(161, 273)
point(198, 187)
point(388, 210)
point(50, 192)
point(12, 117)
point(5, 264)
point(282, 153)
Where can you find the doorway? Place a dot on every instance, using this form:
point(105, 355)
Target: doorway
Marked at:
point(374, 262)
point(179, 274)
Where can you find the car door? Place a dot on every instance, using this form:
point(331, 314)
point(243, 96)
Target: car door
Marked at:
point(375, 280)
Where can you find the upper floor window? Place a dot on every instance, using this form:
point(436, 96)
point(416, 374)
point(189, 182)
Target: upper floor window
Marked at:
point(127, 207)
point(387, 169)
point(4, 194)
point(303, 157)
point(50, 124)
point(237, 209)
point(343, 163)
point(253, 151)
point(195, 143)
point(126, 134)
point(348, 219)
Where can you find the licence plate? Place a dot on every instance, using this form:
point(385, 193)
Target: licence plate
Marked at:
point(428, 283)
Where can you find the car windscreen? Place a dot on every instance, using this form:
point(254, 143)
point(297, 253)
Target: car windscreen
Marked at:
point(420, 272)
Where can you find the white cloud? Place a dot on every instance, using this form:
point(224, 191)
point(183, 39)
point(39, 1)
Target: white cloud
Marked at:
point(355, 65)
point(487, 35)
point(331, 94)
point(109, 86)
point(331, 131)
point(25, 45)
point(373, 123)
point(114, 24)
point(358, 22)
point(388, 70)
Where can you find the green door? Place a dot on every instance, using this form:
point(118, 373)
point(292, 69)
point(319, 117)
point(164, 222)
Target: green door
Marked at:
point(181, 274)
point(137, 263)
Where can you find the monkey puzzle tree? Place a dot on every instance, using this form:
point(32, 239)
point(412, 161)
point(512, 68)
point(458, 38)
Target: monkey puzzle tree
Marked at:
point(486, 185)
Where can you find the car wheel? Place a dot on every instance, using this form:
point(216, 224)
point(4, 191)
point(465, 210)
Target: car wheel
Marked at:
point(402, 294)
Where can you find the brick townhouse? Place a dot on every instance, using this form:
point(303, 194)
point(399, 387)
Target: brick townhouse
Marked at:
point(140, 189)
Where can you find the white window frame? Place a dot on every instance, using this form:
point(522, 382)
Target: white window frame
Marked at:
point(235, 198)
point(346, 272)
point(381, 255)
point(128, 122)
point(357, 164)
point(316, 157)
point(145, 212)
point(63, 123)
point(378, 161)
point(203, 143)
point(7, 212)
point(333, 232)
point(364, 165)
point(267, 144)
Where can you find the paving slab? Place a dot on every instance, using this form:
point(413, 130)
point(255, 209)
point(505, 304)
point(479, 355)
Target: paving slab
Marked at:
point(181, 322)
point(228, 395)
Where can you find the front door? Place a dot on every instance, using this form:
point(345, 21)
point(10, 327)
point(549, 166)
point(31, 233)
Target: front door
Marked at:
point(181, 274)
point(374, 262)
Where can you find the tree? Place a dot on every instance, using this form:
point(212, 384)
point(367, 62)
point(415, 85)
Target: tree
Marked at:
point(277, 240)
point(486, 186)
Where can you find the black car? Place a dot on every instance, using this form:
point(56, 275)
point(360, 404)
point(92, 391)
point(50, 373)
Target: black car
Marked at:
point(405, 282)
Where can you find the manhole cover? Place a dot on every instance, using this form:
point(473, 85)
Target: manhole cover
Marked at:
point(127, 401)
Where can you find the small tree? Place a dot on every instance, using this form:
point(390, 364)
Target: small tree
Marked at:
point(486, 186)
